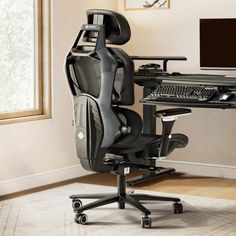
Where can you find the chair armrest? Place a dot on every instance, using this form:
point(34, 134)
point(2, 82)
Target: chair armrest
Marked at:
point(168, 118)
point(173, 112)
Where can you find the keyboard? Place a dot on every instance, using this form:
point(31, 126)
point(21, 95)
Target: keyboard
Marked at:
point(185, 93)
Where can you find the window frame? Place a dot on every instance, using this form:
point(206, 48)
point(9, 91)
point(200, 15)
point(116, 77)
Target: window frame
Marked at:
point(42, 68)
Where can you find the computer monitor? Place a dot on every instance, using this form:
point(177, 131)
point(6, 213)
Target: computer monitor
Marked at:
point(218, 43)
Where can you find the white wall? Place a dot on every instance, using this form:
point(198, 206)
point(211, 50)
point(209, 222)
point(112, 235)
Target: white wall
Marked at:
point(175, 31)
point(28, 149)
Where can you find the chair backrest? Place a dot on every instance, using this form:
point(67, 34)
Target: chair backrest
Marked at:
point(100, 78)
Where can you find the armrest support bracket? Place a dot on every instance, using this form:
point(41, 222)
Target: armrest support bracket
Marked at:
point(168, 118)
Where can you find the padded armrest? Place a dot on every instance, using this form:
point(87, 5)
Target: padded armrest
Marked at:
point(173, 112)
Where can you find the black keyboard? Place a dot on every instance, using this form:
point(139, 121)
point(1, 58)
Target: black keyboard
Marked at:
point(186, 93)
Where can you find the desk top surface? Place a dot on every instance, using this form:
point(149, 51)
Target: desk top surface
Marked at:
point(189, 78)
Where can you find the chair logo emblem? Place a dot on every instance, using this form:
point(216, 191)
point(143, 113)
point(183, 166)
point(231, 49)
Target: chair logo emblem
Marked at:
point(81, 135)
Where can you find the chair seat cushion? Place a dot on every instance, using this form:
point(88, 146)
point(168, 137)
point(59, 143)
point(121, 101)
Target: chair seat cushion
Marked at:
point(141, 143)
point(149, 140)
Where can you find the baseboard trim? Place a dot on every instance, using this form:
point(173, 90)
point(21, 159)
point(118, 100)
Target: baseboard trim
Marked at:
point(193, 168)
point(71, 172)
point(41, 179)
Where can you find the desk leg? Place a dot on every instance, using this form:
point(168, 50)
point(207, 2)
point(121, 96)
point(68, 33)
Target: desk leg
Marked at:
point(149, 127)
point(149, 120)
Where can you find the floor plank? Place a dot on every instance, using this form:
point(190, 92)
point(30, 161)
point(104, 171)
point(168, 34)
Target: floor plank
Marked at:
point(178, 183)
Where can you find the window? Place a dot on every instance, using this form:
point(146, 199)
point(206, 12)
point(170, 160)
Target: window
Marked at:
point(24, 59)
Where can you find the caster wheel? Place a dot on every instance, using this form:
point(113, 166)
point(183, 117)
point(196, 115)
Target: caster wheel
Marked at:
point(146, 222)
point(177, 208)
point(81, 219)
point(76, 204)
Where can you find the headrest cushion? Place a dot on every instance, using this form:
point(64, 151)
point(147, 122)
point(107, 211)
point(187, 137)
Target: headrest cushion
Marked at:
point(117, 29)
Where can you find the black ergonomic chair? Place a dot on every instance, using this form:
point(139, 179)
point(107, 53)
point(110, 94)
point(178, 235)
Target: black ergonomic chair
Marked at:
point(109, 138)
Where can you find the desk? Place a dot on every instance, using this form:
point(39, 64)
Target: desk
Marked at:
point(149, 84)
point(149, 108)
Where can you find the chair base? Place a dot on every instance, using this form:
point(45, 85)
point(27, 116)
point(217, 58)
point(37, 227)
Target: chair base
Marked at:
point(122, 199)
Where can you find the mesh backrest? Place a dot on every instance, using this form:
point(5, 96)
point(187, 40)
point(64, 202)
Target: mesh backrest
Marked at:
point(85, 72)
point(87, 75)
point(124, 80)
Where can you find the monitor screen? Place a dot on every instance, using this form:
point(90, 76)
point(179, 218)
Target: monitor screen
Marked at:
point(218, 43)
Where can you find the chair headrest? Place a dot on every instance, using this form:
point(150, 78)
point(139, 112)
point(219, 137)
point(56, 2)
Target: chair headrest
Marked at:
point(117, 29)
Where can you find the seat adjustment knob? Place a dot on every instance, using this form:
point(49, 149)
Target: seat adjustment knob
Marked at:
point(125, 129)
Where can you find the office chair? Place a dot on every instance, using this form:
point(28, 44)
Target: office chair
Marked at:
point(109, 137)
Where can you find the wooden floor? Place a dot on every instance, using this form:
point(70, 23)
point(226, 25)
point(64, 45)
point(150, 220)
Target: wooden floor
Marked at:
point(177, 183)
